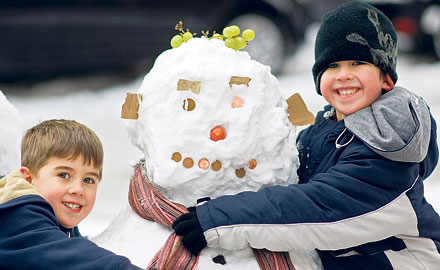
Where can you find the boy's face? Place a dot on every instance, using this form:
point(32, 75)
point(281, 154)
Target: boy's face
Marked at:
point(350, 86)
point(70, 188)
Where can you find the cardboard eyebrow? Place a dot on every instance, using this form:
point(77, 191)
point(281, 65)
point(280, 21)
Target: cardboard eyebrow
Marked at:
point(185, 85)
point(239, 80)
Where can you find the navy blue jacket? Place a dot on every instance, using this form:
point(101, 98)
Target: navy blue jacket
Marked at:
point(32, 238)
point(356, 207)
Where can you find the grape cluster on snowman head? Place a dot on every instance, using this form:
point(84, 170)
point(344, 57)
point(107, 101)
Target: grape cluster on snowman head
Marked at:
point(231, 36)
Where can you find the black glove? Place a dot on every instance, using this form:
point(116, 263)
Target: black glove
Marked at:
point(188, 226)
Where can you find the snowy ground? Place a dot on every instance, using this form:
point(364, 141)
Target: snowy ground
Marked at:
point(100, 110)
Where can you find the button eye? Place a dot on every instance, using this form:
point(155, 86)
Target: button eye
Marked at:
point(237, 102)
point(189, 104)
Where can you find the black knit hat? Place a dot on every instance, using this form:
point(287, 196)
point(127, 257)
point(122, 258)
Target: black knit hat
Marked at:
point(355, 31)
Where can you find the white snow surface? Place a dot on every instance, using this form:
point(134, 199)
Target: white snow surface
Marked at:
point(10, 136)
point(100, 110)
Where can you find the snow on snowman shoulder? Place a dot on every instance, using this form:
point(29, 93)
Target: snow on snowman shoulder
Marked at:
point(10, 136)
point(210, 121)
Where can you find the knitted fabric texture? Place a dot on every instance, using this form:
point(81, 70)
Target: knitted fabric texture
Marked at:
point(355, 31)
point(271, 260)
point(150, 204)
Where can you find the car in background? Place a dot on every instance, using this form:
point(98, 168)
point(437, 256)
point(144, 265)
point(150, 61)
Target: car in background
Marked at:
point(45, 39)
point(417, 23)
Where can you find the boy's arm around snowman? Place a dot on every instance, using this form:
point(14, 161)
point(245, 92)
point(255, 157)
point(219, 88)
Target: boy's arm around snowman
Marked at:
point(352, 196)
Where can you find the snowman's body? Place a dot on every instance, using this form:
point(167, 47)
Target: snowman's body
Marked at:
point(144, 238)
point(190, 93)
point(139, 240)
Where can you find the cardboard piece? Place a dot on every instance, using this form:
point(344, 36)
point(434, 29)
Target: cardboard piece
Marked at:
point(239, 80)
point(131, 106)
point(299, 115)
point(185, 85)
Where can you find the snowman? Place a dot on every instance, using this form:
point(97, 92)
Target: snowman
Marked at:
point(210, 121)
point(10, 136)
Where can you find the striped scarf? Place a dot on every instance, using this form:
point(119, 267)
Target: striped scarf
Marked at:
point(150, 204)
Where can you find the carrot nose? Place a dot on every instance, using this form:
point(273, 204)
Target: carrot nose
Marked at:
point(218, 133)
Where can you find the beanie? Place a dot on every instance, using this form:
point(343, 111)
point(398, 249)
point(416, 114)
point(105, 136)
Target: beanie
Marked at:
point(355, 31)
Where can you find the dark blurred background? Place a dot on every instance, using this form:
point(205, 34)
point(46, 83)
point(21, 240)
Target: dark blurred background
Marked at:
point(46, 39)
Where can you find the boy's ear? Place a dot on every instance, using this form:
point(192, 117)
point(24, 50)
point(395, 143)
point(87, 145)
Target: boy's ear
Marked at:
point(388, 83)
point(26, 173)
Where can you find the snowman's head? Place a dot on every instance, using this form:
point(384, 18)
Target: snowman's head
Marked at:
point(212, 122)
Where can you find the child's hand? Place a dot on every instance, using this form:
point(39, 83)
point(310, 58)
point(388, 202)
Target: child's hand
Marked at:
point(188, 226)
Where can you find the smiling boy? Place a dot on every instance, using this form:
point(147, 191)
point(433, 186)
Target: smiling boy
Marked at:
point(54, 190)
point(69, 186)
point(350, 86)
point(360, 200)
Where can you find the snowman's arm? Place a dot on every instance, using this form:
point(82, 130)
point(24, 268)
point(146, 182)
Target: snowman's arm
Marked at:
point(348, 205)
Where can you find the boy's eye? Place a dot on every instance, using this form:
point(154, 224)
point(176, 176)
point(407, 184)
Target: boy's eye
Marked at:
point(89, 181)
point(358, 63)
point(333, 65)
point(64, 175)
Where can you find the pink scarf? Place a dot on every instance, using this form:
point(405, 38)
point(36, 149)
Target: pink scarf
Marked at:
point(150, 204)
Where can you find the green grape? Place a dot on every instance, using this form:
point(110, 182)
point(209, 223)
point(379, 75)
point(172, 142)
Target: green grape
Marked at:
point(217, 36)
point(176, 41)
point(230, 43)
point(240, 43)
point(248, 34)
point(235, 30)
point(228, 32)
point(187, 36)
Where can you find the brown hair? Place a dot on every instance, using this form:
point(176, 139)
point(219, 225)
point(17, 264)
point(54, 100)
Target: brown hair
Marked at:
point(63, 139)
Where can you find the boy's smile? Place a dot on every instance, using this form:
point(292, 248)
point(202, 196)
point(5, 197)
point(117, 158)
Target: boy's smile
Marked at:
point(69, 186)
point(346, 92)
point(350, 86)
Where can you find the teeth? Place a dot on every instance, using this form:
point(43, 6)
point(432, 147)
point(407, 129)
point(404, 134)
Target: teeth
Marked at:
point(71, 205)
point(347, 92)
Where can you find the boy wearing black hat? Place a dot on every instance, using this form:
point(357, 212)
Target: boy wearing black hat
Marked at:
point(360, 200)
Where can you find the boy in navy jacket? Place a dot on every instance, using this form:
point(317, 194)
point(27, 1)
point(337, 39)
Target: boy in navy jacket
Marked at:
point(42, 204)
point(360, 200)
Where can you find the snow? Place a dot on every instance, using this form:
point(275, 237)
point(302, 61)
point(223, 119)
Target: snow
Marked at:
point(10, 137)
point(100, 110)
